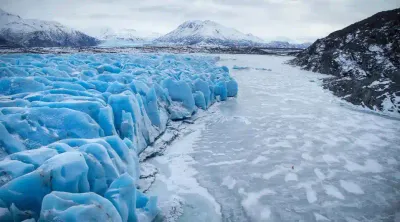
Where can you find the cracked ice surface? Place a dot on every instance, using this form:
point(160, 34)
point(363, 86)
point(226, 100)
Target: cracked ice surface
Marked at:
point(287, 150)
point(74, 124)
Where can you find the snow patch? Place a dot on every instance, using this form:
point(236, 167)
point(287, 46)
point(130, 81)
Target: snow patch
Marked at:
point(307, 156)
point(370, 165)
point(231, 162)
point(254, 208)
point(258, 160)
point(229, 182)
point(333, 191)
point(319, 217)
point(319, 174)
point(291, 177)
point(182, 175)
point(351, 187)
point(330, 159)
point(375, 48)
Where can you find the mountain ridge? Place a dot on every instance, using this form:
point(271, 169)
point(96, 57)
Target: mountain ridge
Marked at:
point(127, 34)
point(207, 32)
point(16, 31)
point(210, 33)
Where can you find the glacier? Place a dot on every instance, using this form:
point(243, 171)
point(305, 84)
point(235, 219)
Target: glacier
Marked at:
point(72, 127)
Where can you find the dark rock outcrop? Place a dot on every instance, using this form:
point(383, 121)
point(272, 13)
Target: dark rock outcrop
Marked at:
point(365, 60)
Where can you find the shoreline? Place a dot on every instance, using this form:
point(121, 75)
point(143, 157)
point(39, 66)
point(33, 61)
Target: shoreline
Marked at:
point(173, 179)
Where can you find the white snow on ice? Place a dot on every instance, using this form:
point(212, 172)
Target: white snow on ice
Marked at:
point(319, 217)
point(351, 187)
point(229, 182)
point(252, 204)
point(230, 162)
point(333, 191)
point(259, 159)
point(305, 154)
point(291, 177)
point(181, 178)
point(330, 159)
point(370, 166)
point(319, 174)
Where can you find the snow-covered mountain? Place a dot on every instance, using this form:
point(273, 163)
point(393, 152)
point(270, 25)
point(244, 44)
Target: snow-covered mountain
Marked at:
point(16, 31)
point(208, 33)
point(126, 35)
point(364, 57)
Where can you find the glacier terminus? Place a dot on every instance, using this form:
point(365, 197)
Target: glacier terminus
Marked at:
point(72, 127)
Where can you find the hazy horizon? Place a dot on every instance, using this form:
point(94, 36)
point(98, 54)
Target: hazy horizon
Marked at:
point(291, 20)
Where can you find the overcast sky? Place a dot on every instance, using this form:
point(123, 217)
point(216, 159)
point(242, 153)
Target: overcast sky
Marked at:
point(301, 20)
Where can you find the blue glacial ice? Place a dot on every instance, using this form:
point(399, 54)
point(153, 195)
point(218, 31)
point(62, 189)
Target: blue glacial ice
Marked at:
point(72, 127)
point(77, 207)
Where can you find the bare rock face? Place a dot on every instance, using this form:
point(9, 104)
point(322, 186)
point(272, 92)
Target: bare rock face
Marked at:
point(365, 60)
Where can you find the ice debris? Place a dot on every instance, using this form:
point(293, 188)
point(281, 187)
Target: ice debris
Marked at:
point(72, 127)
point(240, 67)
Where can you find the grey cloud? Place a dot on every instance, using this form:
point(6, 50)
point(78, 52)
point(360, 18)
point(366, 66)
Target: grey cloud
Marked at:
point(106, 16)
point(295, 19)
point(161, 8)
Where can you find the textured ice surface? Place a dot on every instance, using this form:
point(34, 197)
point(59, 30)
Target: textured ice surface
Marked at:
point(72, 124)
point(351, 187)
point(324, 160)
point(62, 206)
point(176, 179)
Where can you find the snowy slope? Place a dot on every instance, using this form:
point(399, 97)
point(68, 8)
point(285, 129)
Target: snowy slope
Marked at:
point(126, 34)
point(72, 127)
point(364, 57)
point(208, 33)
point(37, 33)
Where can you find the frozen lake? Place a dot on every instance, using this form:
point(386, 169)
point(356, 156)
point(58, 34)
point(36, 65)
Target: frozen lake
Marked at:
point(285, 150)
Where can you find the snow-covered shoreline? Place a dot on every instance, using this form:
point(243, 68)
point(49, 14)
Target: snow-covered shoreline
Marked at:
point(172, 178)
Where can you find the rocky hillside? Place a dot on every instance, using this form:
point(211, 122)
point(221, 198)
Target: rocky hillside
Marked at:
point(18, 32)
point(287, 45)
point(365, 60)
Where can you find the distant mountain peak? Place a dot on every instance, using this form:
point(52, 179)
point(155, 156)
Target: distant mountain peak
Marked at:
point(16, 31)
point(210, 33)
point(207, 32)
point(126, 34)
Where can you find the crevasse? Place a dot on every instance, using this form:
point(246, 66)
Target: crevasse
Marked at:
point(72, 127)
